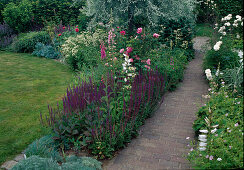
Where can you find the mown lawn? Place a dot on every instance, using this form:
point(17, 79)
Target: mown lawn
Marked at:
point(203, 30)
point(27, 85)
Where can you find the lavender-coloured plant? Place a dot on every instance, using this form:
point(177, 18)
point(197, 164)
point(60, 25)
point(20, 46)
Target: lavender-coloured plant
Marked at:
point(6, 35)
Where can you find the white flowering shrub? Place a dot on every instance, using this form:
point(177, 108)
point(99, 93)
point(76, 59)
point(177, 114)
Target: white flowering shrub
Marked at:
point(82, 49)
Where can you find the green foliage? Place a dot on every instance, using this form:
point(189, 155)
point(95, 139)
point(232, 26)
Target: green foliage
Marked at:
point(225, 56)
point(225, 7)
point(36, 162)
point(226, 143)
point(26, 42)
point(124, 11)
point(55, 10)
point(210, 11)
point(19, 16)
point(171, 63)
point(44, 147)
point(3, 4)
point(82, 163)
point(72, 163)
point(42, 50)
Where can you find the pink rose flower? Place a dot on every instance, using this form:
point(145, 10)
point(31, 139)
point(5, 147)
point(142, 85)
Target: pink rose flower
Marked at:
point(76, 29)
point(64, 28)
point(155, 35)
point(129, 50)
point(121, 50)
point(131, 60)
point(59, 35)
point(139, 30)
point(148, 61)
point(122, 32)
point(137, 58)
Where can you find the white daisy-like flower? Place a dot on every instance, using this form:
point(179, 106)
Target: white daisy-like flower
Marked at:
point(204, 131)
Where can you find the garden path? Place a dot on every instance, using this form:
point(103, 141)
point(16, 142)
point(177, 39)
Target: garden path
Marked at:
point(162, 141)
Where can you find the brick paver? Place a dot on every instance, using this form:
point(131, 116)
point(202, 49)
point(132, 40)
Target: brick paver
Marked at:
point(162, 142)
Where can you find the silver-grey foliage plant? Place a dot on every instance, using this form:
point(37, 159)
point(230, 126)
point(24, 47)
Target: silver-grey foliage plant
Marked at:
point(152, 10)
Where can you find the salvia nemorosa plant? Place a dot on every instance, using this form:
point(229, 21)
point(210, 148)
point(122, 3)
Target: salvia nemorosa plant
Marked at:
point(110, 112)
point(6, 35)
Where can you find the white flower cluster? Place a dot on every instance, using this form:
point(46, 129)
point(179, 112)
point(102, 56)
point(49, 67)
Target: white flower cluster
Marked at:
point(127, 67)
point(208, 74)
point(72, 45)
point(217, 45)
point(211, 4)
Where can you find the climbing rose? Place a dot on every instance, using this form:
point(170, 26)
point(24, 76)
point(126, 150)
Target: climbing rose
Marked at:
point(155, 35)
point(129, 50)
point(59, 35)
point(139, 30)
point(122, 32)
point(148, 61)
point(76, 29)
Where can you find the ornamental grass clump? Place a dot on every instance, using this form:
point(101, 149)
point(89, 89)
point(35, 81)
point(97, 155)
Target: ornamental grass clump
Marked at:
point(104, 117)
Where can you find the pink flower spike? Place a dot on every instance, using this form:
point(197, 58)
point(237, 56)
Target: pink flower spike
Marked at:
point(148, 61)
point(103, 53)
point(139, 30)
point(155, 35)
point(121, 50)
point(146, 66)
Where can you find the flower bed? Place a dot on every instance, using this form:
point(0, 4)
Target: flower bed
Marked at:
point(219, 125)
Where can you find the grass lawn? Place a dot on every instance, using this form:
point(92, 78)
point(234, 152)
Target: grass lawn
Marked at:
point(203, 30)
point(27, 85)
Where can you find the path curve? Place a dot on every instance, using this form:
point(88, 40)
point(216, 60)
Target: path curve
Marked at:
point(162, 141)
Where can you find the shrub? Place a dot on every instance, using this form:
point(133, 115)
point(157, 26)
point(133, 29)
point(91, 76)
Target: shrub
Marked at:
point(19, 16)
point(36, 162)
point(171, 63)
point(72, 163)
point(26, 42)
point(45, 148)
point(82, 49)
point(42, 50)
point(57, 11)
point(82, 163)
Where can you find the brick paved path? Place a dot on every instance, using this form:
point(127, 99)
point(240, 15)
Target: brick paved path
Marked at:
point(162, 142)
